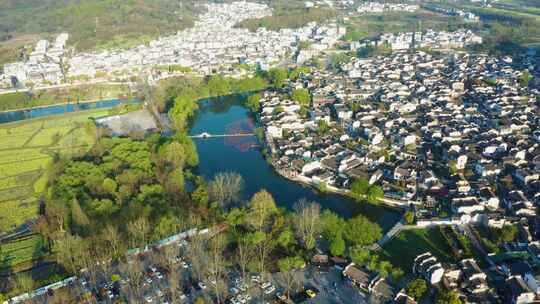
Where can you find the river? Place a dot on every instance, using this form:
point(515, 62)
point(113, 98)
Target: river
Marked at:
point(242, 155)
point(16, 115)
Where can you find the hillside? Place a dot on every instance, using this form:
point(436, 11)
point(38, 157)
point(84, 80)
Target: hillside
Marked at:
point(91, 23)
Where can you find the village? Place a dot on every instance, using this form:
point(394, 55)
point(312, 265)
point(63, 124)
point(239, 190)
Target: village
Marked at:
point(453, 137)
point(213, 45)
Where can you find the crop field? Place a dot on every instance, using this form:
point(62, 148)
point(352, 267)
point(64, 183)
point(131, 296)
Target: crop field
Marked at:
point(22, 250)
point(26, 149)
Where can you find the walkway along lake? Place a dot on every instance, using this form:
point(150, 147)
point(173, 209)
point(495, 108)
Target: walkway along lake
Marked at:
point(226, 115)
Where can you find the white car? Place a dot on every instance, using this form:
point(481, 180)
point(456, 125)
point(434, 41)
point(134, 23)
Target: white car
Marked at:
point(148, 299)
point(266, 285)
point(202, 285)
point(149, 280)
point(234, 290)
point(159, 275)
point(256, 278)
point(269, 290)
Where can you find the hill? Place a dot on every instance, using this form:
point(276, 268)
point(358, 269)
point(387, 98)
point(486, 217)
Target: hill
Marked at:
point(91, 23)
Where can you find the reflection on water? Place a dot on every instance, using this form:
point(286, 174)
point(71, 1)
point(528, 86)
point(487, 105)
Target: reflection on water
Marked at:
point(241, 154)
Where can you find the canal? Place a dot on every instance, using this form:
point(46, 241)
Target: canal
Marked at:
point(226, 115)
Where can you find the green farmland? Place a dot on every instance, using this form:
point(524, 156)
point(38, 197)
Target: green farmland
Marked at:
point(26, 148)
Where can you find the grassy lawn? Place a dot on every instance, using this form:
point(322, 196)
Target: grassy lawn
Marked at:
point(25, 151)
point(402, 250)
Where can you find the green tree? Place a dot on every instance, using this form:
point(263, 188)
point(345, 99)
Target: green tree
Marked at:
point(417, 289)
point(332, 225)
point(278, 77)
point(218, 86)
point(525, 78)
point(110, 185)
point(302, 96)
point(261, 207)
point(337, 246)
point(375, 193)
point(360, 255)
point(409, 217)
point(360, 188)
point(448, 297)
point(361, 231)
point(322, 127)
point(253, 103)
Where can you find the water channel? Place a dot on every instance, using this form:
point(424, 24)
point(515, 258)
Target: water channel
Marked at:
point(16, 115)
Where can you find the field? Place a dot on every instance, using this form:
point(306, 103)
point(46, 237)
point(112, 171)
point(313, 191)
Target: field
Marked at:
point(402, 250)
point(370, 25)
point(28, 248)
point(26, 148)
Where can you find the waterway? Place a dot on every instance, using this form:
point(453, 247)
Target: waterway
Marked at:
point(243, 155)
point(17, 115)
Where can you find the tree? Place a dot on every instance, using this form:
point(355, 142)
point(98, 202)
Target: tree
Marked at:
point(448, 297)
point(417, 289)
point(332, 225)
point(301, 96)
point(337, 246)
point(375, 193)
point(361, 231)
point(138, 230)
point(261, 207)
point(216, 265)
point(409, 217)
point(278, 77)
point(79, 217)
point(226, 187)
point(525, 78)
point(322, 127)
point(113, 238)
point(507, 234)
point(307, 216)
point(360, 188)
point(218, 86)
point(110, 185)
point(360, 255)
point(288, 267)
point(253, 103)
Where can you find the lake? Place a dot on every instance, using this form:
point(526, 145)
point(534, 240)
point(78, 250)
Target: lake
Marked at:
point(226, 115)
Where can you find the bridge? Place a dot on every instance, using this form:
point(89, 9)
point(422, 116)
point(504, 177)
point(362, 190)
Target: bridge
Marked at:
point(208, 135)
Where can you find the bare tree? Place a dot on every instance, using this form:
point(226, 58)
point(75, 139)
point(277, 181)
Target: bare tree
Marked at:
point(244, 253)
point(138, 230)
point(307, 222)
point(226, 187)
point(112, 236)
point(216, 265)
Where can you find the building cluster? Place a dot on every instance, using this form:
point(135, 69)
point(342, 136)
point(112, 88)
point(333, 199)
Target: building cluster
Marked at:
point(378, 7)
point(213, 45)
point(455, 12)
point(45, 63)
point(425, 39)
point(455, 134)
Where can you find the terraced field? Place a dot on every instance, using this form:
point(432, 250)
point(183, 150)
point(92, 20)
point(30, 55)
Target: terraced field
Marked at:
point(26, 148)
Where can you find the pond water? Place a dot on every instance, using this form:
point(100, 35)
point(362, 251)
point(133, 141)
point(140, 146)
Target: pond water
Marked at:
point(17, 115)
point(226, 115)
